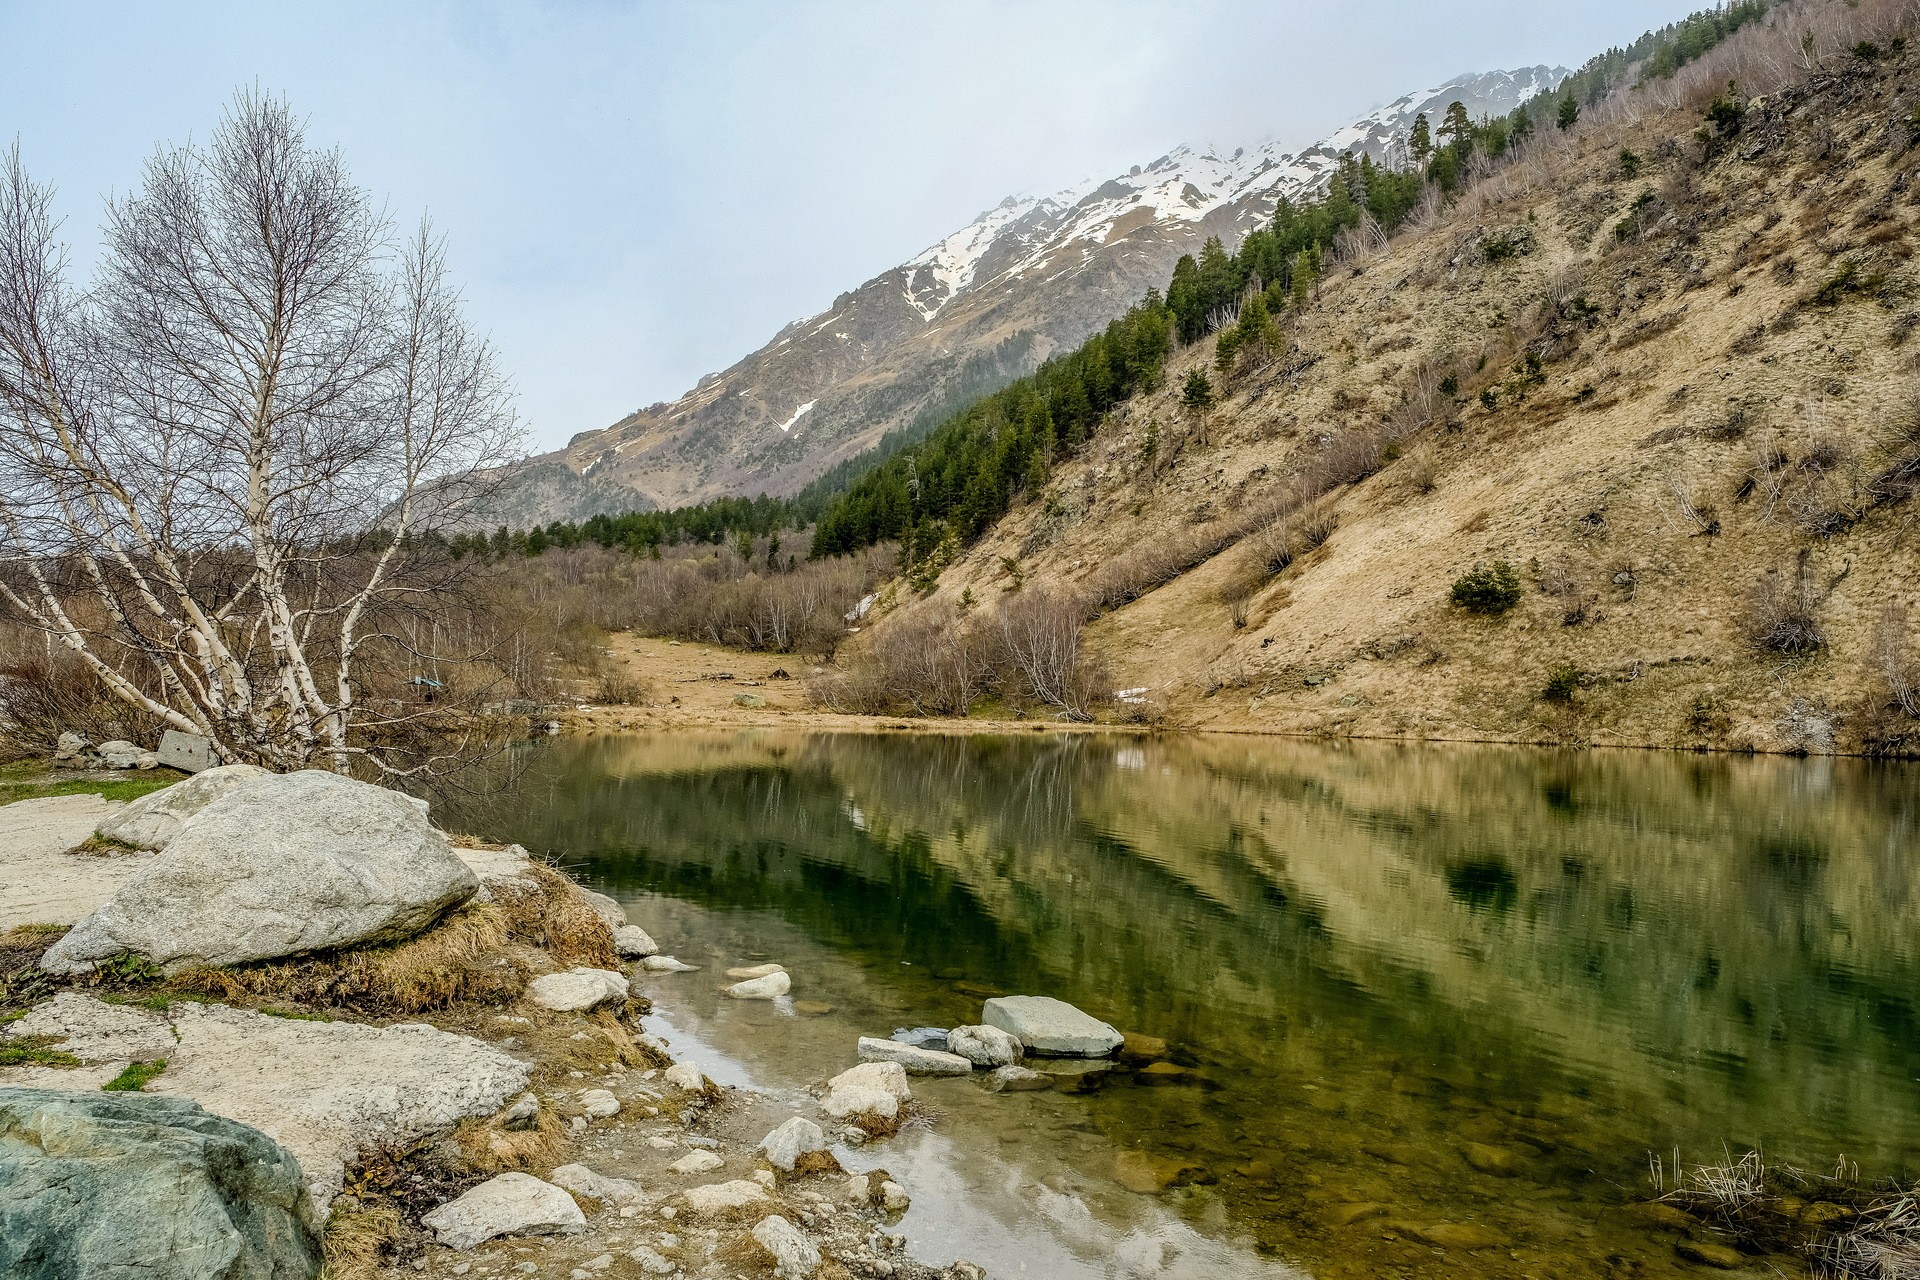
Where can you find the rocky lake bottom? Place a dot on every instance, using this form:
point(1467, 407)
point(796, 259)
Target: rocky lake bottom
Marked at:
point(1427, 1011)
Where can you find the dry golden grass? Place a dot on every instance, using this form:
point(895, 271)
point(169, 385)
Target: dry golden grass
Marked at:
point(361, 1240)
point(465, 959)
point(550, 913)
point(488, 1147)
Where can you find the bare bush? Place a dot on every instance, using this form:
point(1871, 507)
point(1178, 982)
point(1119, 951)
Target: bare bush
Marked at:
point(1039, 634)
point(938, 667)
point(1782, 612)
point(1287, 539)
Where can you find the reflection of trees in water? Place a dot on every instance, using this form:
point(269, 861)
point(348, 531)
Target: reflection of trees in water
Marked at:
point(1727, 937)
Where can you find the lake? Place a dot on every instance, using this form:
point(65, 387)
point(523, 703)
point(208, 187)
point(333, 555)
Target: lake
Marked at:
point(1411, 986)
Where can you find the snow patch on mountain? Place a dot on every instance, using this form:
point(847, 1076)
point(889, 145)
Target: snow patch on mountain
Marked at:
point(1022, 233)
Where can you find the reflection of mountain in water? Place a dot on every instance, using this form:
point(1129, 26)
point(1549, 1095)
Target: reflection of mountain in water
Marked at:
point(1718, 949)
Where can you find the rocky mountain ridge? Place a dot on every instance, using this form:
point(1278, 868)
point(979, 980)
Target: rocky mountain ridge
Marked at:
point(1028, 277)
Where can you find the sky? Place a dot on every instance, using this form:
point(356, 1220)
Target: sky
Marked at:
point(639, 193)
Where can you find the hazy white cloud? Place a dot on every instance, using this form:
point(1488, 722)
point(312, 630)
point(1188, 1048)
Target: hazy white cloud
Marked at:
point(639, 193)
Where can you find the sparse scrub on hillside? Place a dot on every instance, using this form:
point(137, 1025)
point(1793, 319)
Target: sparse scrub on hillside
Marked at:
point(1026, 650)
point(1489, 590)
point(1286, 539)
point(1782, 611)
point(1889, 720)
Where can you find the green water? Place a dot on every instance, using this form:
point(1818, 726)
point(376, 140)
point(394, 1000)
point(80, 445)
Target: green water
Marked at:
point(1370, 957)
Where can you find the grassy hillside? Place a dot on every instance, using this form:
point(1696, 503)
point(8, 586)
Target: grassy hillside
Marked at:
point(1661, 366)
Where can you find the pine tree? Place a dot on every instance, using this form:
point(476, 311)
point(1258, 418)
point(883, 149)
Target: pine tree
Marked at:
point(1456, 128)
point(1197, 394)
point(1569, 110)
point(1420, 141)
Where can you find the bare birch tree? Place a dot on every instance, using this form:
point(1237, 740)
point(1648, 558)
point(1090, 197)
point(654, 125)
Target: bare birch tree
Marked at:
point(220, 462)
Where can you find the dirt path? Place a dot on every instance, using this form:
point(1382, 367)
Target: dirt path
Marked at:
point(702, 686)
point(40, 882)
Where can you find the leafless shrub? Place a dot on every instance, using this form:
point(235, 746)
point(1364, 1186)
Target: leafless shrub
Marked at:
point(937, 667)
point(1696, 509)
point(42, 697)
point(1782, 609)
point(1039, 634)
point(1895, 665)
point(1287, 539)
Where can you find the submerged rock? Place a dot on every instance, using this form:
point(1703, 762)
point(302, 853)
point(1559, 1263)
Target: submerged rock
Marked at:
point(984, 1046)
point(756, 971)
point(1014, 1079)
point(921, 1037)
point(1045, 1025)
point(794, 1256)
point(155, 818)
point(577, 990)
point(667, 964)
point(134, 1184)
point(764, 988)
point(919, 1062)
point(1149, 1174)
point(276, 866)
point(510, 1204)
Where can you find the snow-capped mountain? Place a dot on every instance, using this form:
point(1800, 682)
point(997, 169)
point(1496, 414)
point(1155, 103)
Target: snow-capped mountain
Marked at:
point(1032, 275)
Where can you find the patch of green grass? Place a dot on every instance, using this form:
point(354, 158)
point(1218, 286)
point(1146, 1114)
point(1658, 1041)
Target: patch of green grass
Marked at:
point(136, 1077)
point(35, 1051)
point(30, 780)
point(298, 1015)
point(158, 1002)
point(129, 968)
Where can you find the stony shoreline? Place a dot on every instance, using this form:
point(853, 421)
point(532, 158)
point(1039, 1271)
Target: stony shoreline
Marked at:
point(472, 1096)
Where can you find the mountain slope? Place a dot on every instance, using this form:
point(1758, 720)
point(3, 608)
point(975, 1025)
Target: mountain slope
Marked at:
point(1024, 279)
point(1697, 448)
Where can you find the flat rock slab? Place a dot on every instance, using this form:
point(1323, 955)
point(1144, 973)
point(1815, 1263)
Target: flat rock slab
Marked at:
point(40, 882)
point(917, 1061)
point(1046, 1025)
point(323, 1090)
point(126, 1184)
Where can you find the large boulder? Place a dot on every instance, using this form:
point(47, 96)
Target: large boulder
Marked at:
point(1045, 1025)
point(155, 818)
point(115, 1185)
point(277, 866)
point(512, 1204)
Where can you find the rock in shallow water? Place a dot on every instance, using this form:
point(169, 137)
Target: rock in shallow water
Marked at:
point(1045, 1025)
point(762, 988)
point(1015, 1079)
point(132, 1184)
point(917, 1061)
point(633, 942)
point(984, 1046)
point(667, 964)
point(756, 971)
point(510, 1204)
point(276, 866)
point(876, 1088)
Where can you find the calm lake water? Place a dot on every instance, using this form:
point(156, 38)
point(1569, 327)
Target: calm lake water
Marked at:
point(1413, 985)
